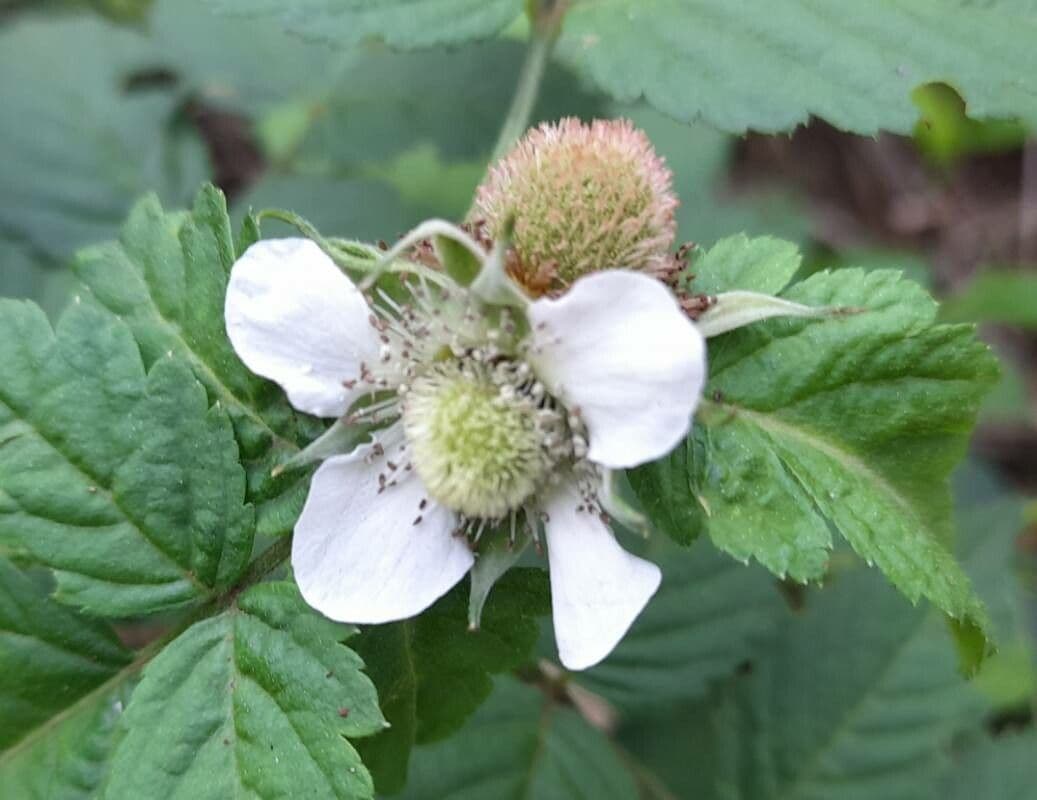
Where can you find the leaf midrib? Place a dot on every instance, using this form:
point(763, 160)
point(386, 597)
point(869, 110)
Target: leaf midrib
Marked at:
point(847, 720)
point(851, 462)
point(226, 394)
point(105, 492)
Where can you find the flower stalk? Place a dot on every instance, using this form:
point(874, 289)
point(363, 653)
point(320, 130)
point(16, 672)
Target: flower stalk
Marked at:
point(545, 24)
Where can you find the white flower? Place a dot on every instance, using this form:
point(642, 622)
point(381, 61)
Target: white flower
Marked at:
point(491, 418)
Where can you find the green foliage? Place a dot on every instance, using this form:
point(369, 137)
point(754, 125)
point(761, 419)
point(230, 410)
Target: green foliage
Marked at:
point(368, 209)
point(24, 273)
point(68, 760)
point(852, 64)
point(858, 695)
point(710, 615)
point(521, 744)
point(250, 66)
point(133, 516)
point(851, 424)
point(166, 279)
point(996, 295)
point(432, 672)
point(401, 23)
point(699, 156)
point(136, 451)
point(49, 656)
point(857, 699)
point(78, 147)
point(946, 133)
point(994, 769)
point(256, 702)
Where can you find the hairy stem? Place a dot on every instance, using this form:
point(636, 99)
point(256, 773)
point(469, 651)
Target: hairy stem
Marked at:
point(261, 566)
point(546, 21)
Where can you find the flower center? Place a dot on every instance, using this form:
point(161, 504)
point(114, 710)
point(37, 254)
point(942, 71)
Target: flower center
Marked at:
point(483, 437)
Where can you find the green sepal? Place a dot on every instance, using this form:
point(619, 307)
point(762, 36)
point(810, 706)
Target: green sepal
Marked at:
point(458, 261)
point(495, 557)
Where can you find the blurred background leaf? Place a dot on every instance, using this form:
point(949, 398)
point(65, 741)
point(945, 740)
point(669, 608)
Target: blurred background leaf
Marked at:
point(106, 99)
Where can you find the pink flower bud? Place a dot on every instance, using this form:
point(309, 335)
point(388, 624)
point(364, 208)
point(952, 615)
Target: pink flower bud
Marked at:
point(584, 198)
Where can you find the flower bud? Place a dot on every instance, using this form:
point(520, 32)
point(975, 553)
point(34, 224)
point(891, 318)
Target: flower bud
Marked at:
point(583, 198)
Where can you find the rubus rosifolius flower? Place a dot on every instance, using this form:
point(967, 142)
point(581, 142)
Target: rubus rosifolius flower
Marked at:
point(493, 415)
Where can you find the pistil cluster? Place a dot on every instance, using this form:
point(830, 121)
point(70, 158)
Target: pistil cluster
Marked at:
point(478, 427)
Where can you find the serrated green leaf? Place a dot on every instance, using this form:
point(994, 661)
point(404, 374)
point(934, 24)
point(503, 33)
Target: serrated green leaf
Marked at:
point(710, 615)
point(249, 65)
point(167, 278)
point(432, 672)
point(849, 424)
point(49, 656)
point(994, 769)
point(520, 746)
point(78, 148)
point(388, 103)
point(255, 702)
point(858, 698)
point(400, 23)
point(70, 761)
point(134, 516)
point(760, 264)
point(849, 63)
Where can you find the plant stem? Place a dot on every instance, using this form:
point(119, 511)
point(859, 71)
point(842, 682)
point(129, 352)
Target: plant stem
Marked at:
point(265, 563)
point(546, 23)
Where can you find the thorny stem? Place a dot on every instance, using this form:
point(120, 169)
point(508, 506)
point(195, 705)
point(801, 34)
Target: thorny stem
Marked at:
point(546, 23)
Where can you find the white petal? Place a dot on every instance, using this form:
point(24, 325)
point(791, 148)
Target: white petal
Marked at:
point(295, 318)
point(358, 555)
point(618, 347)
point(597, 587)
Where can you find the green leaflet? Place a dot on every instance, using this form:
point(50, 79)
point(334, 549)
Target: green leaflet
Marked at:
point(853, 64)
point(994, 769)
point(166, 278)
point(858, 697)
point(710, 615)
point(857, 700)
point(850, 424)
point(49, 655)
point(251, 65)
point(386, 104)
point(27, 274)
point(255, 702)
point(432, 672)
point(126, 484)
point(78, 148)
point(401, 23)
point(760, 264)
point(519, 746)
point(70, 761)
